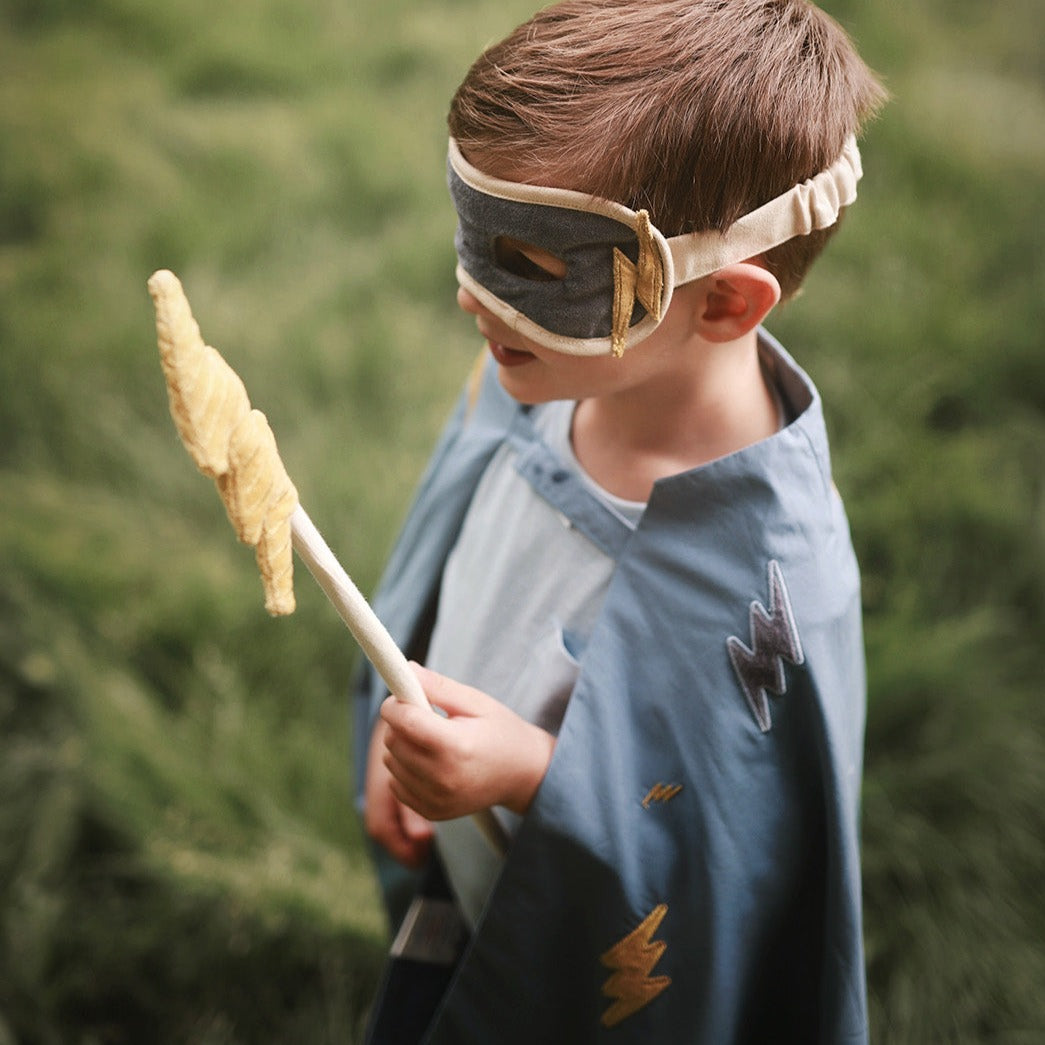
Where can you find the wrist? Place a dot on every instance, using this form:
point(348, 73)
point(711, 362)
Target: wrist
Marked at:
point(539, 748)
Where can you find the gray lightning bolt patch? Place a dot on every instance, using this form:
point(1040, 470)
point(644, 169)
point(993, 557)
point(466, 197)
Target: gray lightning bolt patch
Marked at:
point(774, 639)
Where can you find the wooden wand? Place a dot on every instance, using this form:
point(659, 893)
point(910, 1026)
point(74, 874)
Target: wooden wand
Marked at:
point(234, 445)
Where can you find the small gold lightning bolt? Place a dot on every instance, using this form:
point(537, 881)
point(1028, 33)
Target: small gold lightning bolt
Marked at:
point(632, 960)
point(661, 793)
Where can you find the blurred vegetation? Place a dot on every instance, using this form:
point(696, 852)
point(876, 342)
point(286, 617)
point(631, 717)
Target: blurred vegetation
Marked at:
point(179, 859)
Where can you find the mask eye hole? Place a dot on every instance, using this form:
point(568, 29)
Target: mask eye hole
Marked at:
point(528, 261)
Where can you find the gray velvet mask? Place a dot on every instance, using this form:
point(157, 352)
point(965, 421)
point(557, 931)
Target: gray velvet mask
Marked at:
point(615, 273)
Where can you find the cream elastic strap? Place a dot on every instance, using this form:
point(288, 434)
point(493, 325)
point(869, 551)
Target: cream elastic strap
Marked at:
point(814, 204)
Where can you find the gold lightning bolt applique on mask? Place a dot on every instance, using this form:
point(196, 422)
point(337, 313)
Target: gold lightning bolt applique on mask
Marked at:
point(632, 960)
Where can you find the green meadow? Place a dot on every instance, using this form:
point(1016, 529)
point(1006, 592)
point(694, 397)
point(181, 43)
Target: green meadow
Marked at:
point(179, 857)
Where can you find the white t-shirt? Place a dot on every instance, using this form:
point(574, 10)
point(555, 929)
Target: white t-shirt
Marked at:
point(520, 594)
point(519, 578)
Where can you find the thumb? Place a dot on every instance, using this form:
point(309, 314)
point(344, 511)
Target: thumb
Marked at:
point(452, 697)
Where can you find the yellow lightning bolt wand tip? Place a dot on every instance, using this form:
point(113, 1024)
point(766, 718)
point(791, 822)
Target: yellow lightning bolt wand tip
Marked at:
point(207, 398)
point(234, 445)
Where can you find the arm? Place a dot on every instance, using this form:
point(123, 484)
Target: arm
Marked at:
point(480, 755)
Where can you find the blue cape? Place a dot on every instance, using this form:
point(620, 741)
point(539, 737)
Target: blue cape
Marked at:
point(689, 869)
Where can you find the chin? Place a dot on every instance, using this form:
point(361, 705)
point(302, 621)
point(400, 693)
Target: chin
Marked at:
point(526, 392)
point(518, 392)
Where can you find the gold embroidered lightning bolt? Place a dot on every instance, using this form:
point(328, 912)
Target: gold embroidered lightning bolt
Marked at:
point(661, 793)
point(632, 960)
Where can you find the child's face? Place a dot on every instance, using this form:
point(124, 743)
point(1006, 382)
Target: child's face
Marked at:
point(552, 267)
point(532, 373)
point(575, 273)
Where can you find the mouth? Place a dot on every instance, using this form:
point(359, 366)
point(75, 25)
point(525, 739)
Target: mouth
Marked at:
point(506, 356)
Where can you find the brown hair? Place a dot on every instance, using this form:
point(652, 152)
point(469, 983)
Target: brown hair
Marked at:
point(697, 110)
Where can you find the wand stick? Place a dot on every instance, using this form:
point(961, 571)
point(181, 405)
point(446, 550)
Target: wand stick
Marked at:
point(234, 445)
point(354, 610)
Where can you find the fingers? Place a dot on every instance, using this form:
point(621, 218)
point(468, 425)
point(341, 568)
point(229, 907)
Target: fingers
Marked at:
point(413, 837)
point(427, 779)
point(405, 834)
point(430, 760)
point(428, 732)
point(417, 800)
point(479, 755)
point(417, 726)
point(453, 697)
point(415, 827)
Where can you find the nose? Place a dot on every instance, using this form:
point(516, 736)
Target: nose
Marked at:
point(468, 302)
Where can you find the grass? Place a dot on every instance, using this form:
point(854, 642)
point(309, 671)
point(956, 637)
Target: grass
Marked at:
point(179, 860)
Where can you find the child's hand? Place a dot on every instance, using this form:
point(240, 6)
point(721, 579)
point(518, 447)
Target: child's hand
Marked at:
point(405, 834)
point(481, 755)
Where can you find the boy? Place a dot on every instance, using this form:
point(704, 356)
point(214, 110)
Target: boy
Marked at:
point(627, 569)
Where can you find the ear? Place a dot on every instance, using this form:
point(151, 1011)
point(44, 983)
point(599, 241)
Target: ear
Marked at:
point(737, 299)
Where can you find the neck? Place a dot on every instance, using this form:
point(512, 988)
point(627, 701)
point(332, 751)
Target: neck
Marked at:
point(677, 420)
